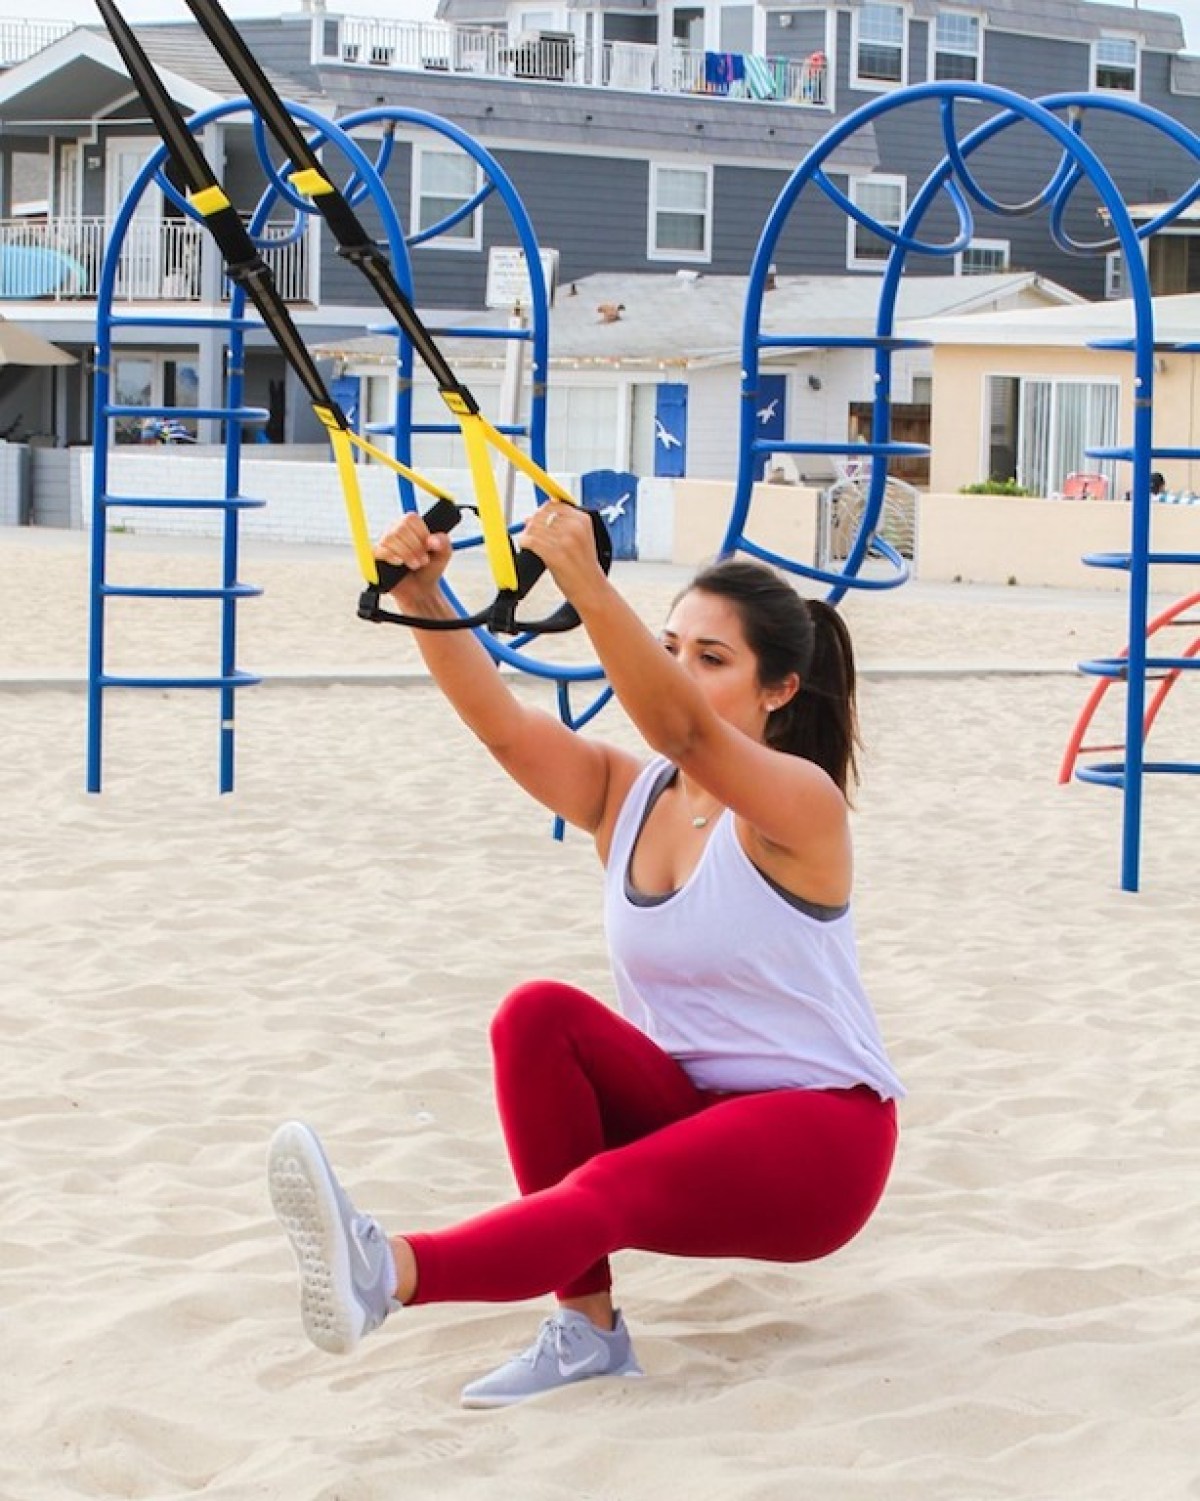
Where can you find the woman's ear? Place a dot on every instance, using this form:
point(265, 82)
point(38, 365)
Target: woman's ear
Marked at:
point(781, 693)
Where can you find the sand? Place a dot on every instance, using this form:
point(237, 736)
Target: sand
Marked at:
point(181, 971)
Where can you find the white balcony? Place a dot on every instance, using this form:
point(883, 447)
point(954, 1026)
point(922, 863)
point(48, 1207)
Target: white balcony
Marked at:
point(21, 39)
point(558, 57)
point(60, 260)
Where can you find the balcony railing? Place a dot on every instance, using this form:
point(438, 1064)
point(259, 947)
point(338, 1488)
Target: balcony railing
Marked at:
point(61, 260)
point(558, 57)
point(21, 39)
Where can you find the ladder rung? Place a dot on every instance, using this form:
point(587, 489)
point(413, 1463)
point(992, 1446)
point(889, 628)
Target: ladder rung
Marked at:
point(147, 591)
point(219, 414)
point(183, 502)
point(235, 679)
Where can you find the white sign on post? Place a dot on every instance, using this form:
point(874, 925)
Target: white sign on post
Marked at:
point(508, 276)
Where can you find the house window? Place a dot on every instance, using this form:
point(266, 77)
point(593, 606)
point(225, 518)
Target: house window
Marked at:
point(1115, 64)
point(443, 181)
point(680, 213)
point(956, 45)
point(882, 198)
point(982, 258)
point(154, 380)
point(1173, 261)
point(583, 433)
point(879, 46)
point(1114, 274)
point(1039, 431)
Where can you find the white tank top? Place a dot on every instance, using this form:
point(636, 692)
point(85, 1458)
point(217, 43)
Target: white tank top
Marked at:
point(745, 989)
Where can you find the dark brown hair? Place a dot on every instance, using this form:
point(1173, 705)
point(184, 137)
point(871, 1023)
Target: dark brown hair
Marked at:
point(788, 633)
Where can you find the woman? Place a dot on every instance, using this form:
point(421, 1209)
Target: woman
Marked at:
point(742, 1103)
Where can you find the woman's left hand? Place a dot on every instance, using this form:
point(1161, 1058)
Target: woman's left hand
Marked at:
point(562, 536)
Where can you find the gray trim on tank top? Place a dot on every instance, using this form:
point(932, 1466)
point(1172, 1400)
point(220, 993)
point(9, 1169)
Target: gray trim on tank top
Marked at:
point(636, 898)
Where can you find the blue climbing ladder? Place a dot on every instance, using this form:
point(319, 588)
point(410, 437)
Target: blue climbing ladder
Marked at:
point(227, 677)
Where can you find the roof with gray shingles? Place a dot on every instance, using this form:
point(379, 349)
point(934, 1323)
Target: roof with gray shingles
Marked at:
point(677, 320)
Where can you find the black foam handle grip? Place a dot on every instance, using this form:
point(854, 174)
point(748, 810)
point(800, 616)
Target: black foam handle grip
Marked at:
point(442, 516)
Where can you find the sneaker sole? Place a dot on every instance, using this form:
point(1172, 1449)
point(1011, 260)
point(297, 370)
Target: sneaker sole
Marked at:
point(483, 1403)
point(304, 1198)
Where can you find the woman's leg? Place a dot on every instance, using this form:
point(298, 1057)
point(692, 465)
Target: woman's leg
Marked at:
point(789, 1175)
point(574, 1079)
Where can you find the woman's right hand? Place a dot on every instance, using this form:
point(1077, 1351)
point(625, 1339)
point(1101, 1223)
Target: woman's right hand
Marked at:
point(411, 545)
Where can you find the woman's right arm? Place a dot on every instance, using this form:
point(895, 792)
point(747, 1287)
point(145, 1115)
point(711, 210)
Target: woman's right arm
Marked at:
point(582, 780)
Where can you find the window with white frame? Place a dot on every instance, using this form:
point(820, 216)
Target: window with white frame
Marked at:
point(883, 199)
point(581, 434)
point(880, 51)
point(1041, 430)
point(982, 258)
point(956, 45)
point(1115, 64)
point(443, 182)
point(680, 213)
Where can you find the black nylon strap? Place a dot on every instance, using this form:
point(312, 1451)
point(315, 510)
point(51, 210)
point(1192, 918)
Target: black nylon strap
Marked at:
point(353, 240)
point(243, 260)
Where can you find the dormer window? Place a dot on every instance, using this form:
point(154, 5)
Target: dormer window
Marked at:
point(880, 46)
point(1115, 64)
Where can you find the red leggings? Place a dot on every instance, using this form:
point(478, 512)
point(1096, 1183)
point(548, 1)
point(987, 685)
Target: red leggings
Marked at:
point(614, 1147)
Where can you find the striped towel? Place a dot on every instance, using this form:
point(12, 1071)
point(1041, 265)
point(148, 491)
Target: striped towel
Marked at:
point(760, 77)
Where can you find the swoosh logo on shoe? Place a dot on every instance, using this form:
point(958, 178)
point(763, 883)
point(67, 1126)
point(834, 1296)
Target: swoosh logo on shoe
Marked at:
point(363, 1256)
point(568, 1368)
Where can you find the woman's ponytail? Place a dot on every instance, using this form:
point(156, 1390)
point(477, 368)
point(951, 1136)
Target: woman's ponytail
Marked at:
point(821, 722)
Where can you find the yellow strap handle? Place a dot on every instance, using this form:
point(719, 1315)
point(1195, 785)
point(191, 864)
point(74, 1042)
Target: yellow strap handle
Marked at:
point(476, 436)
point(343, 453)
point(343, 441)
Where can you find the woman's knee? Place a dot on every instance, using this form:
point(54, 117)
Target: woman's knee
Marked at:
point(536, 1009)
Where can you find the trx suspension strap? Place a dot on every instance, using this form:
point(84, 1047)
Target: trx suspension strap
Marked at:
point(357, 246)
point(245, 265)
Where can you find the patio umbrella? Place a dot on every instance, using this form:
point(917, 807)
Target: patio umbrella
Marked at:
point(20, 347)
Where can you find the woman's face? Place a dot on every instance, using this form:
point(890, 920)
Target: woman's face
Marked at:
point(704, 634)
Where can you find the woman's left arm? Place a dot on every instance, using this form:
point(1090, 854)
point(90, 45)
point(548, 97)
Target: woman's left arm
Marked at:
point(792, 803)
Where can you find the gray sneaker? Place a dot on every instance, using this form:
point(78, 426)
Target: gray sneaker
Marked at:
point(347, 1272)
point(569, 1348)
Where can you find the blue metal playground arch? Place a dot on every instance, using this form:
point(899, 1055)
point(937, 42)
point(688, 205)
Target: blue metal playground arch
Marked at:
point(1077, 163)
point(365, 182)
